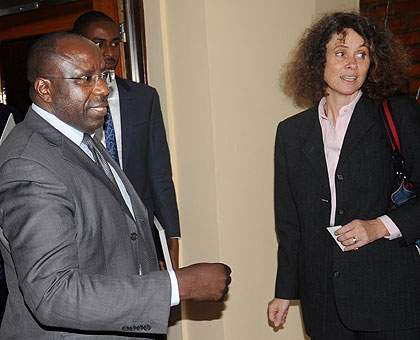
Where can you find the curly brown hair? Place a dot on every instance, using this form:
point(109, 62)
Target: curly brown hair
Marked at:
point(303, 76)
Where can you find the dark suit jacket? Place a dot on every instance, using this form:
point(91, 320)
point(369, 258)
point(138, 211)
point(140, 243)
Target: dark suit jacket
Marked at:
point(78, 265)
point(146, 160)
point(378, 286)
point(5, 111)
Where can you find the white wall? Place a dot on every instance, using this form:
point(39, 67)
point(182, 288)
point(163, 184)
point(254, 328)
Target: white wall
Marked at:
point(216, 65)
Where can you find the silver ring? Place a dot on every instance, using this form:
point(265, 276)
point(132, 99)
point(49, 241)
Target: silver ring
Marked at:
point(354, 239)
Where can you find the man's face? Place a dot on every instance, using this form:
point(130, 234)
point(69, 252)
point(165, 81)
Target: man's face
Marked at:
point(80, 103)
point(105, 35)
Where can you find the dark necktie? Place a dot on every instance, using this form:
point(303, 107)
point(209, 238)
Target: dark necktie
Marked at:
point(110, 141)
point(98, 157)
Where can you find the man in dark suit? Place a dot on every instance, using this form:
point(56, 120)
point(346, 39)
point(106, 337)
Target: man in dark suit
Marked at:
point(139, 131)
point(75, 237)
point(5, 112)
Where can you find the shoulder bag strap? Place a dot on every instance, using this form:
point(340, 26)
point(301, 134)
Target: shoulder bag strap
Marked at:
point(390, 127)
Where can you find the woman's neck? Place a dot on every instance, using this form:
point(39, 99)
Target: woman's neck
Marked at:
point(334, 104)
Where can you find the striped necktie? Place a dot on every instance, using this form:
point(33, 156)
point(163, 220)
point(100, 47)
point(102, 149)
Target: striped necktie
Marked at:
point(98, 157)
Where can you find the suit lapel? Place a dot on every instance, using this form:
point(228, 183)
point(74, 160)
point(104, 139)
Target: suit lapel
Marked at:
point(104, 179)
point(313, 147)
point(127, 110)
point(72, 153)
point(139, 209)
point(362, 120)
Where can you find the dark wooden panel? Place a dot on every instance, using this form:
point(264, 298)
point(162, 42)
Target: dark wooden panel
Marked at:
point(41, 21)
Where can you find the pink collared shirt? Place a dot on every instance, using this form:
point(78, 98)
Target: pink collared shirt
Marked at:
point(333, 141)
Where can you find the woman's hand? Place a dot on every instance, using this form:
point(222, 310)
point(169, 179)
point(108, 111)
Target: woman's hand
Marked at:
point(358, 233)
point(277, 311)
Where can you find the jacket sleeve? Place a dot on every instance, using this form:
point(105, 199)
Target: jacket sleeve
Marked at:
point(160, 173)
point(287, 225)
point(406, 115)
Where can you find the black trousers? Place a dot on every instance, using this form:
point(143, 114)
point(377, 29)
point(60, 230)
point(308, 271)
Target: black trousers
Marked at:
point(3, 297)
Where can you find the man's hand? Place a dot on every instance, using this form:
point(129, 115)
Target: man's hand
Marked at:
point(173, 245)
point(277, 311)
point(203, 281)
point(358, 233)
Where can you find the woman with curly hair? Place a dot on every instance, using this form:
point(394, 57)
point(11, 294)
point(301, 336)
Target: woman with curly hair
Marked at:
point(334, 167)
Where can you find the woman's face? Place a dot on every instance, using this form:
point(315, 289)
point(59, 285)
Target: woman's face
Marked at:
point(347, 65)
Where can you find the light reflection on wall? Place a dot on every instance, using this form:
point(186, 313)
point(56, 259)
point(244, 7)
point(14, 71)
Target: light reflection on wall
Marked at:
point(2, 90)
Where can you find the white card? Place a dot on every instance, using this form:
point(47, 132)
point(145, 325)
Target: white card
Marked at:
point(9, 126)
point(162, 237)
point(332, 231)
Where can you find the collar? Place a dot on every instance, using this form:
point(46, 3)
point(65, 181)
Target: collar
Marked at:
point(345, 110)
point(70, 132)
point(113, 89)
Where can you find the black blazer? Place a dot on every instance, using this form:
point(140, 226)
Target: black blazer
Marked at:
point(5, 111)
point(145, 152)
point(378, 286)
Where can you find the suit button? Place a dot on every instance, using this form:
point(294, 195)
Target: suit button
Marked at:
point(340, 177)
point(340, 211)
point(336, 274)
point(133, 236)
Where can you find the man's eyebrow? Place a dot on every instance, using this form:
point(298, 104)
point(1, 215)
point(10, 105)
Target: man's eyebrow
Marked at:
point(96, 39)
point(87, 72)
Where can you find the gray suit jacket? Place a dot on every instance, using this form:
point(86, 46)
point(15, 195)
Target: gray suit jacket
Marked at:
point(77, 264)
point(377, 287)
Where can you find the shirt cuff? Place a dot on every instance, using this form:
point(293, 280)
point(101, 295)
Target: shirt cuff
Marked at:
point(174, 288)
point(392, 228)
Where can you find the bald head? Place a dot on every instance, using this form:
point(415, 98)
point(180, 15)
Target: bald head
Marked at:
point(42, 54)
point(45, 53)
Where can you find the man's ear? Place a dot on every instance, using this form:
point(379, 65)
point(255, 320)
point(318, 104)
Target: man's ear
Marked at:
point(43, 89)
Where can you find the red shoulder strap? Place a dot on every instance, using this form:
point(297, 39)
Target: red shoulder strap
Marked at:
point(391, 126)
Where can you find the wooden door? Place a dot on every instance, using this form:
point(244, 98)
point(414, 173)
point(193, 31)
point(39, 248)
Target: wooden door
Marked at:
point(19, 31)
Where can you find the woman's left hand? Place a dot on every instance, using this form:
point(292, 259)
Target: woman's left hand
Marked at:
point(358, 233)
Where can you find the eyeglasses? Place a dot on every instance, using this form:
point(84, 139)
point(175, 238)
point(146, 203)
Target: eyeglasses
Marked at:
point(91, 80)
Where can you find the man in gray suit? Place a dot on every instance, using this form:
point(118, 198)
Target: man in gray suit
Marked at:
point(139, 131)
point(75, 237)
